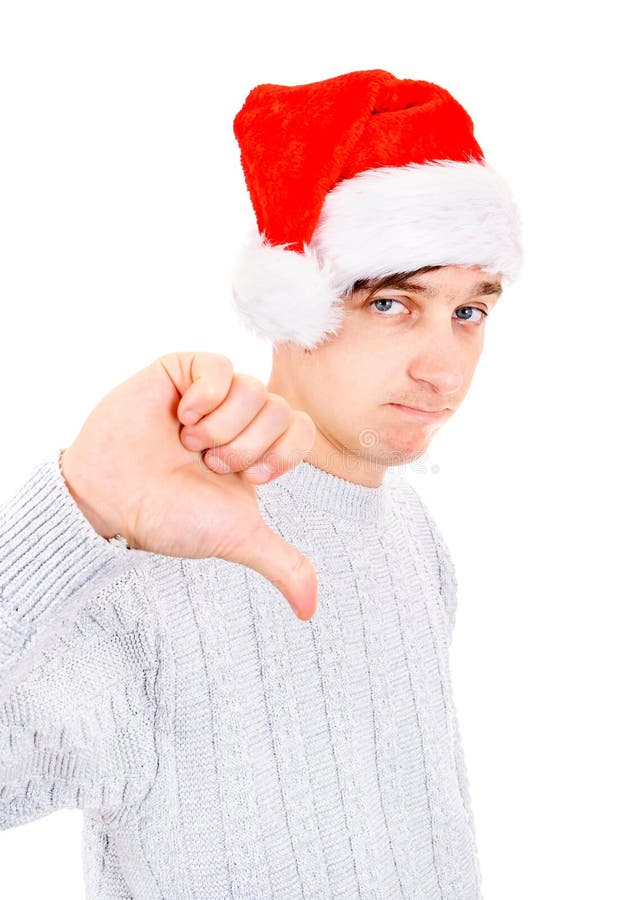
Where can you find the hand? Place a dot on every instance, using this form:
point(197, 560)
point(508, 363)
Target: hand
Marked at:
point(133, 472)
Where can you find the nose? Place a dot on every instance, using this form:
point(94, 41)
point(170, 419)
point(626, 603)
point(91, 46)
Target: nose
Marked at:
point(438, 360)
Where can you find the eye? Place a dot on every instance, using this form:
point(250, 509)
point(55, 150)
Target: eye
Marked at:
point(475, 309)
point(386, 300)
point(461, 309)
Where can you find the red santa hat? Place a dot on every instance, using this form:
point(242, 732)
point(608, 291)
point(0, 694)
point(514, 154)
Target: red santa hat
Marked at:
point(360, 176)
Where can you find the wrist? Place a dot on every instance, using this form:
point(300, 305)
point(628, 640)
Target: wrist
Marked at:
point(84, 496)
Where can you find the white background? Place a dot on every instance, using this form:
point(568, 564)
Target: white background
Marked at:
point(122, 202)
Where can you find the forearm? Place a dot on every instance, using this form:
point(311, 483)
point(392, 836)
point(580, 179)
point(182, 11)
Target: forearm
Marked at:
point(48, 550)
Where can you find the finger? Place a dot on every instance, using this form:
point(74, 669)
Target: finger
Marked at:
point(202, 379)
point(245, 399)
point(253, 441)
point(287, 452)
point(283, 565)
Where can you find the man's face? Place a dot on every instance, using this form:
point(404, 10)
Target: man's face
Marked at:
point(396, 346)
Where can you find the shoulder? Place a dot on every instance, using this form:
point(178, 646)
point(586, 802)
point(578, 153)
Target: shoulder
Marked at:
point(409, 503)
point(425, 530)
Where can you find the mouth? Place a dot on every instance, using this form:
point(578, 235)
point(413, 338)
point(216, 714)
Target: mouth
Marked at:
point(424, 414)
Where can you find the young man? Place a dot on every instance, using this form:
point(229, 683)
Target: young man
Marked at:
point(151, 675)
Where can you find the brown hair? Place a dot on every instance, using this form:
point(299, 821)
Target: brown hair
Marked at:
point(394, 279)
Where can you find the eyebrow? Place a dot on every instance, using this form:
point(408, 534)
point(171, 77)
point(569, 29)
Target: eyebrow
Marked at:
point(479, 290)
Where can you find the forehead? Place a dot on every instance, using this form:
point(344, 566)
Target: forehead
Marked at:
point(463, 281)
point(467, 275)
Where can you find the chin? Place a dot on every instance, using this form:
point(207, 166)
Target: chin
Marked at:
point(398, 457)
point(409, 444)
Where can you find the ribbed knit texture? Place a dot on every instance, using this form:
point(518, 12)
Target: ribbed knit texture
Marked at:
point(218, 746)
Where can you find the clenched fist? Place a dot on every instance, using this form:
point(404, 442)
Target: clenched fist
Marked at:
point(141, 467)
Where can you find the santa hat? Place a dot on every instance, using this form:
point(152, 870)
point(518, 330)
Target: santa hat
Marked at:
point(355, 177)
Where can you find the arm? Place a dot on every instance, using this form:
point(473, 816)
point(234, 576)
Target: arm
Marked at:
point(78, 710)
point(48, 551)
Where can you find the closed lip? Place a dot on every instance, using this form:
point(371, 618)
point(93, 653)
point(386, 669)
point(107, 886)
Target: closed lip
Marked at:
point(420, 408)
point(433, 413)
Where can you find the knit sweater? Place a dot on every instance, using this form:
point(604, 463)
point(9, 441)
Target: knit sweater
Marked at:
point(217, 745)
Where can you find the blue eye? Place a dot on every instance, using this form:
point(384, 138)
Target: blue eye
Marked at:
point(387, 300)
point(460, 309)
point(476, 309)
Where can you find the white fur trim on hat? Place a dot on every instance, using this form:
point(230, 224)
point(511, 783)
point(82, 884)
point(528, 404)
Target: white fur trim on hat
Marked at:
point(282, 295)
point(379, 222)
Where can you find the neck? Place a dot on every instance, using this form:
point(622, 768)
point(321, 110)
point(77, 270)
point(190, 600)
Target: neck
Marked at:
point(331, 456)
point(327, 452)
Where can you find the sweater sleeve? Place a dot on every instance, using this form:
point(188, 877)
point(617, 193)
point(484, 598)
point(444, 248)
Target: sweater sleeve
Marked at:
point(78, 709)
point(48, 551)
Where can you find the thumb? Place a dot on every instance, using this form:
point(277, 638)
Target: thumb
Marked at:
point(284, 566)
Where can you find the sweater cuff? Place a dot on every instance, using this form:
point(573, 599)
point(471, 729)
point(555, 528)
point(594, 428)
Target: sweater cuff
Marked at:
point(48, 551)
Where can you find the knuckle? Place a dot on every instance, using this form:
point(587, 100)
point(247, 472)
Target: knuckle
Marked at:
point(216, 376)
point(279, 406)
point(306, 426)
point(207, 391)
point(222, 360)
point(251, 385)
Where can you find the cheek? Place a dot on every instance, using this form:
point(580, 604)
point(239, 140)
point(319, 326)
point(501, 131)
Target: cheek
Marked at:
point(348, 370)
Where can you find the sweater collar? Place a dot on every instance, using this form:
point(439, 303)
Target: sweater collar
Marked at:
point(334, 495)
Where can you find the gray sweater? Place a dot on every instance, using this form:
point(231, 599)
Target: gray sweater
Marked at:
point(217, 745)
